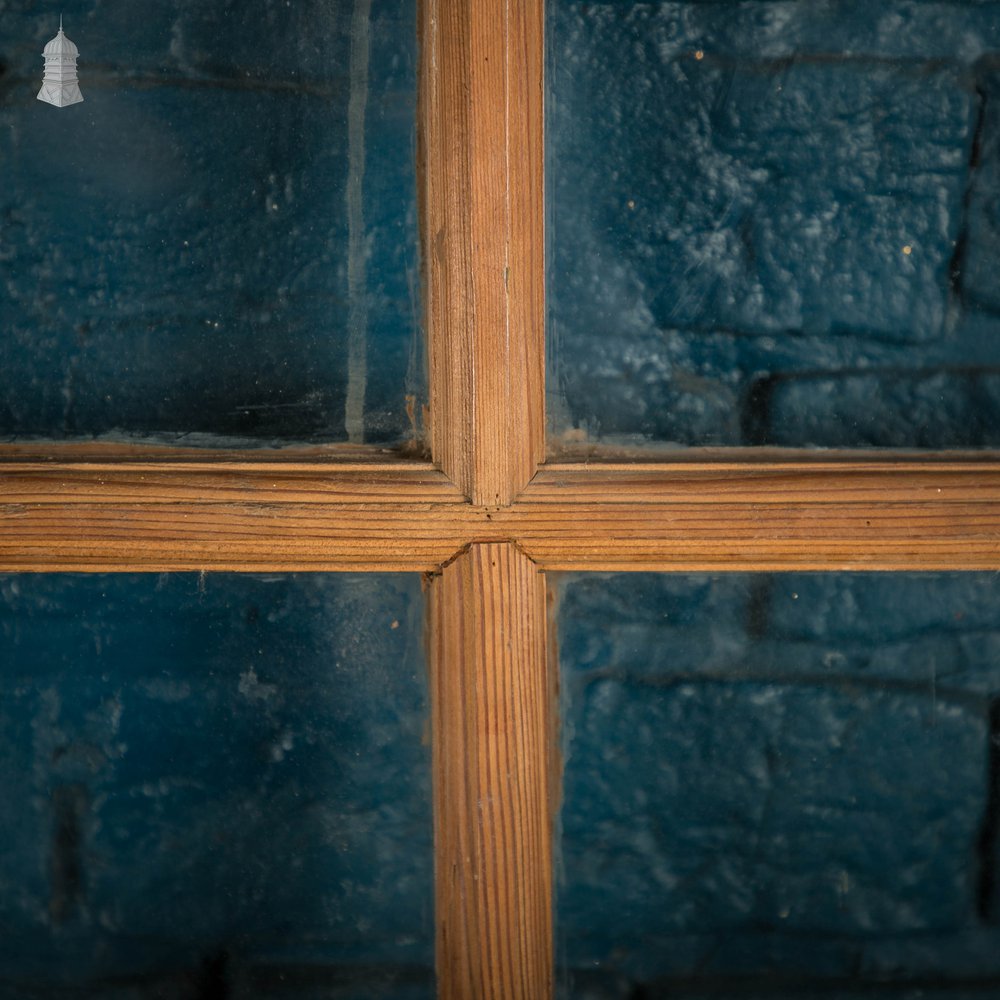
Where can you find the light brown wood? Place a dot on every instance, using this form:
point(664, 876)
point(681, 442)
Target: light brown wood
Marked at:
point(240, 514)
point(492, 721)
point(243, 514)
point(773, 516)
point(789, 479)
point(236, 480)
point(218, 538)
point(482, 212)
point(121, 452)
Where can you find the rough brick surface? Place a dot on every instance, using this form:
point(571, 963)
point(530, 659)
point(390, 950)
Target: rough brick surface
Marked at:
point(220, 781)
point(780, 779)
point(174, 252)
point(744, 195)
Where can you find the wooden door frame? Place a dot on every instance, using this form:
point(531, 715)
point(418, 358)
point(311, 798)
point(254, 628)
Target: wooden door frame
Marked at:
point(487, 516)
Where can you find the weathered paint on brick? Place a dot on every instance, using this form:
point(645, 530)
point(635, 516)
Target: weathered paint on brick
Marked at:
point(751, 201)
point(221, 774)
point(778, 776)
point(174, 251)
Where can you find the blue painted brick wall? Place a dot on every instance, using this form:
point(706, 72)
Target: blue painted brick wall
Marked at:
point(175, 251)
point(731, 188)
point(783, 783)
point(214, 787)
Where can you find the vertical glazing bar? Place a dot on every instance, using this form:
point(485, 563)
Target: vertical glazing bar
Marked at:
point(492, 707)
point(483, 240)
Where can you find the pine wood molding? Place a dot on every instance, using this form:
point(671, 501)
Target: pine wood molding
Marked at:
point(792, 515)
point(238, 514)
point(492, 723)
point(481, 206)
point(241, 513)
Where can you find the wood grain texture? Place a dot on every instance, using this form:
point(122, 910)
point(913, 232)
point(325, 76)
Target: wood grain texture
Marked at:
point(769, 516)
point(244, 514)
point(492, 720)
point(480, 154)
point(119, 452)
point(241, 514)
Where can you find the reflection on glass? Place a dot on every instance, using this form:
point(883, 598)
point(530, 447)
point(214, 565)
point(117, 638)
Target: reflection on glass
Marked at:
point(214, 787)
point(219, 243)
point(774, 223)
point(779, 786)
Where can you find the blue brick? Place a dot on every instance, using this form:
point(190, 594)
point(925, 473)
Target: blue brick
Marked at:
point(724, 223)
point(242, 761)
point(811, 815)
point(804, 799)
point(175, 248)
point(982, 245)
point(887, 409)
point(661, 624)
point(846, 607)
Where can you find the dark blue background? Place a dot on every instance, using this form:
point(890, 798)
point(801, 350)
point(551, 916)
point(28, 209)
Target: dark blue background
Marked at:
point(780, 786)
point(726, 233)
point(214, 787)
point(174, 251)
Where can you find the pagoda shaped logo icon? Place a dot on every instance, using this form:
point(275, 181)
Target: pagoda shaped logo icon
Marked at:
point(59, 85)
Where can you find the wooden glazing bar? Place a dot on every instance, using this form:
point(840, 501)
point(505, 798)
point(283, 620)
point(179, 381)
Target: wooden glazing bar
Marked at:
point(242, 514)
point(232, 539)
point(492, 722)
point(767, 516)
point(238, 480)
point(238, 515)
point(120, 452)
point(481, 205)
point(800, 480)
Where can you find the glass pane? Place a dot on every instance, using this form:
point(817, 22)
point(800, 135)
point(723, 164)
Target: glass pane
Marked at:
point(219, 244)
point(214, 787)
point(774, 223)
point(780, 786)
